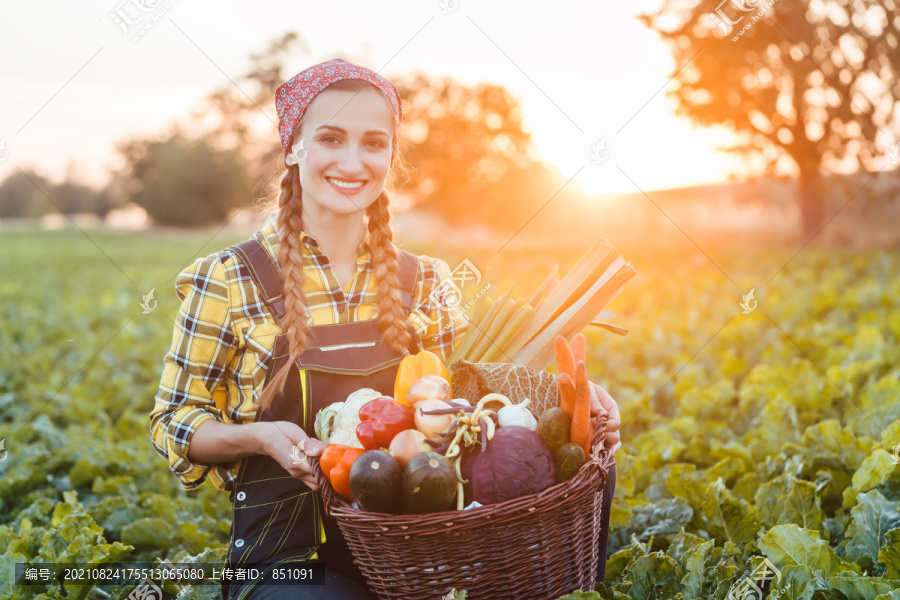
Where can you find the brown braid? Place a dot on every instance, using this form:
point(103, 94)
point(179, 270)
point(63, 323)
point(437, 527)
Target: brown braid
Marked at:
point(392, 318)
point(290, 259)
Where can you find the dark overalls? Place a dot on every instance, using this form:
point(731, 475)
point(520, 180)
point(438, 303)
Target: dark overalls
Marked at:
point(276, 517)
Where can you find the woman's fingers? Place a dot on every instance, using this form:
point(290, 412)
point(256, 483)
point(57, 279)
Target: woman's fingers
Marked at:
point(310, 481)
point(291, 447)
point(601, 398)
point(606, 401)
point(612, 437)
point(299, 438)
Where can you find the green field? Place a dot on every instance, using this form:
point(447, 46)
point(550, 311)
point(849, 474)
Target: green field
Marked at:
point(768, 434)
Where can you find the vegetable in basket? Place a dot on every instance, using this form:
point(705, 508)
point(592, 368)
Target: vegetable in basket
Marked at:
point(337, 422)
point(414, 367)
point(582, 430)
point(553, 427)
point(568, 459)
point(429, 484)
point(433, 425)
point(376, 480)
point(516, 463)
point(517, 414)
point(380, 420)
point(407, 444)
point(428, 388)
point(336, 462)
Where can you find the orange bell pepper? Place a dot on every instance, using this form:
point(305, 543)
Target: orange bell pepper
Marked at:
point(416, 366)
point(335, 462)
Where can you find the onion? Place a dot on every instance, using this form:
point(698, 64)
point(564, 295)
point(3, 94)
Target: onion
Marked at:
point(434, 425)
point(407, 444)
point(430, 386)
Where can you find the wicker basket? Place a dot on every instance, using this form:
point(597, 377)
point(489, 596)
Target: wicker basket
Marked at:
point(536, 547)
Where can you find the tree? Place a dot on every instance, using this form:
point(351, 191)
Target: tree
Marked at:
point(20, 196)
point(469, 150)
point(805, 84)
point(184, 182)
point(241, 115)
point(28, 194)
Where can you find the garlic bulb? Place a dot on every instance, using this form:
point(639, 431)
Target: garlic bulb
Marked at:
point(517, 414)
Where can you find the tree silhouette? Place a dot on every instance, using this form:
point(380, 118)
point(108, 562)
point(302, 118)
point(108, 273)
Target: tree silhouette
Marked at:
point(183, 182)
point(805, 84)
point(20, 196)
point(472, 159)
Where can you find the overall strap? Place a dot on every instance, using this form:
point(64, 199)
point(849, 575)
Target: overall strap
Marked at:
point(267, 277)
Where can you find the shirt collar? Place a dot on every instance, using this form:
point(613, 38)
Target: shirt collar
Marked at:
point(270, 232)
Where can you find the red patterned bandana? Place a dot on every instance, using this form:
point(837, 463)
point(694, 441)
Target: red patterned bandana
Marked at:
point(293, 96)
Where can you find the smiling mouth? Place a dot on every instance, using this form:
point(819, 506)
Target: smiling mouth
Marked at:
point(347, 185)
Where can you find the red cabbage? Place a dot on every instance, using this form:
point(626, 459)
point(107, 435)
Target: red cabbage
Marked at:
point(517, 462)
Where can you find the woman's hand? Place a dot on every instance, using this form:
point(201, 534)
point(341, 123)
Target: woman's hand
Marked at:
point(279, 441)
point(600, 398)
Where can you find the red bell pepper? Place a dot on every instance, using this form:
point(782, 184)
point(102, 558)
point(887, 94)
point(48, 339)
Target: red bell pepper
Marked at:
point(335, 462)
point(380, 420)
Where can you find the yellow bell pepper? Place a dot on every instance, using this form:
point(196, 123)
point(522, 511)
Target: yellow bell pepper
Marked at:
point(414, 367)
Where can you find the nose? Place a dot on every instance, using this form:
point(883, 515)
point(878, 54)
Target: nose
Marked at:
point(350, 162)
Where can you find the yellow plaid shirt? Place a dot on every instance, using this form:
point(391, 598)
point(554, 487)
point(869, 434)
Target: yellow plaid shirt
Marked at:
point(224, 334)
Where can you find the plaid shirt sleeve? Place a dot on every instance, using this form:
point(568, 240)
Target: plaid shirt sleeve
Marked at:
point(202, 345)
point(440, 322)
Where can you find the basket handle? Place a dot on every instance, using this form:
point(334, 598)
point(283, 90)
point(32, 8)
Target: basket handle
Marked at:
point(600, 447)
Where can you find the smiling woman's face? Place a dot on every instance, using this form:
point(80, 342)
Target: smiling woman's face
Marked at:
point(347, 137)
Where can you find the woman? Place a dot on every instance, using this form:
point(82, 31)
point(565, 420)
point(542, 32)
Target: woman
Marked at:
point(320, 287)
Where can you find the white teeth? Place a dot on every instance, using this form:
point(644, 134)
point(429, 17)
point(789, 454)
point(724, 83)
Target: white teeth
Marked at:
point(349, 186)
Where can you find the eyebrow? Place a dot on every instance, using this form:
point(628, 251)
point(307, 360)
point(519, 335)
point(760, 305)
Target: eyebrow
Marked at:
point(340, 130)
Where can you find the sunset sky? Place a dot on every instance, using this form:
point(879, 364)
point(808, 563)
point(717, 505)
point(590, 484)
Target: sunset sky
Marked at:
point(72, 82)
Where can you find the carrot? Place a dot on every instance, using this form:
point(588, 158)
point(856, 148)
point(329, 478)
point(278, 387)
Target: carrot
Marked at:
point(581, 417)
point(564, 357)
point(566, 394)
point(579, 348)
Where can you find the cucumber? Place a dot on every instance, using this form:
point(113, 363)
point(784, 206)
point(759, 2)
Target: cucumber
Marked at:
point(553, 427)
point(568, 459)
